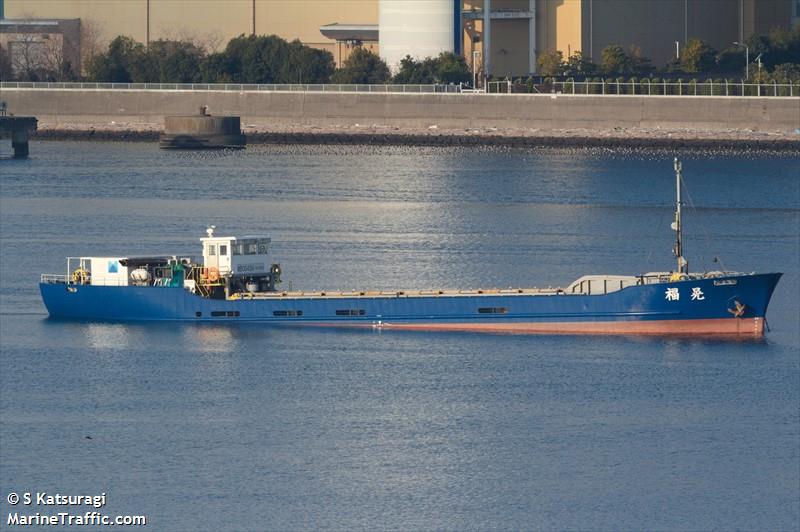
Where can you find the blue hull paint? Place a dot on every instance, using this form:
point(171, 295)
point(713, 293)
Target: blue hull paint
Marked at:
point(635, 303)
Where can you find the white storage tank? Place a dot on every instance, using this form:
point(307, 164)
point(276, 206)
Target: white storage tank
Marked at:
point(419, 28)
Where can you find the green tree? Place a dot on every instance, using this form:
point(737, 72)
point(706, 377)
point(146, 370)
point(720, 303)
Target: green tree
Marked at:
point(786, 72)
point(758, 44)
point(163, 61)
point(250, 59)
point(637, 63)
point(579, 64)
point(731, 60)
point(267, 59)
point(262, 59)
point(306, 65)
point(551, 63)
point(698, 56)
point(124, 54)
point(362, 66)
point(445, 68)
point(451, 68)
point(783, 46)
point(174, 61)
point(143, 65)
point(614, 60)
point(413, 72)
point(5, 65)
point(219, 68)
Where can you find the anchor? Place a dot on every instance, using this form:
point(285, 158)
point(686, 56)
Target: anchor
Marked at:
point(738, 312)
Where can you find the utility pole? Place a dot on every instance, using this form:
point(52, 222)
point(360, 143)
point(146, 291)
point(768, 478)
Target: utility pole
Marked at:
point(685, 20)
point(147, 25)
point(253, 15)
point(487, 38)
point(475, 55)
point(741, 20)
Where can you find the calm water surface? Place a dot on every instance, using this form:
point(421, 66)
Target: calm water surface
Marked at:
point(253, 428)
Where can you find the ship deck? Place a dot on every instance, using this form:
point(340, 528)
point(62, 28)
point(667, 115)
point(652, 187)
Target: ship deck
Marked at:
point(304, 294)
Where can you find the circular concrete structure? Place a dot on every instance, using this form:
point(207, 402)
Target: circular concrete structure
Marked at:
point(202, 132)
point(419, 28)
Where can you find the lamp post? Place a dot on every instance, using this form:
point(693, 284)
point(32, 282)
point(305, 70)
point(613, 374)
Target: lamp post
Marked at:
point(475, 55)
point(746, 59)
point(677, 50)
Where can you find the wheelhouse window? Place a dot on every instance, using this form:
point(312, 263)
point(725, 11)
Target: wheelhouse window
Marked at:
point(251, 246)
point(223, 250)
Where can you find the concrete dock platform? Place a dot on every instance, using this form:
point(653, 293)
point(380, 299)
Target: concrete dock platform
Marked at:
point(18, 128)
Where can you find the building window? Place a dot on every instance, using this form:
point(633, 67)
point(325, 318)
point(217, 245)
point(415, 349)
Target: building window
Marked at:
point(212, 250)
point(223, 250)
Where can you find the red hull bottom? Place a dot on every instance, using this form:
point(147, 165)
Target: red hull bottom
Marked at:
point(722, 326)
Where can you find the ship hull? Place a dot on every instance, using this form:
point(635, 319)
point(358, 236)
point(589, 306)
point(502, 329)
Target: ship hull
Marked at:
point(723, 326)
point(733, 305)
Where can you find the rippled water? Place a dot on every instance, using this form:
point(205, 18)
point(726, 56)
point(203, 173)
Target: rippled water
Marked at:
point(250, 427)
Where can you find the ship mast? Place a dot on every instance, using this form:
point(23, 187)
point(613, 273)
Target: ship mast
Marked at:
point(683, 265)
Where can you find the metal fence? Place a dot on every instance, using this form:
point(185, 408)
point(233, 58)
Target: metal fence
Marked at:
point(240, 87)
point(597, 88)
point(649, 88)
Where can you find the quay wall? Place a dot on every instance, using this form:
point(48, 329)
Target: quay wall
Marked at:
point(63, 107)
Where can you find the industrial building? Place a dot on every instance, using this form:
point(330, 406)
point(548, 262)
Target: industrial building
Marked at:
point(211, 23)
point(497, 37)
point(34, 44)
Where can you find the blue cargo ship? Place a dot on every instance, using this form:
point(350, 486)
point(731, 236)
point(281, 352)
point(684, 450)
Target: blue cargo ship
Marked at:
point(236, 281)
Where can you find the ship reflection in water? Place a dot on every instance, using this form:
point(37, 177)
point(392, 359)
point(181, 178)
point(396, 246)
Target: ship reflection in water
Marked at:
point(107, 336)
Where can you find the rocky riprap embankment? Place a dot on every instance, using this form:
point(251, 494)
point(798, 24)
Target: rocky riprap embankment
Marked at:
point(435, 136)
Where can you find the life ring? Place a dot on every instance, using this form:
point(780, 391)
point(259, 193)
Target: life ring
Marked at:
point(213, 274)
point(80, 276)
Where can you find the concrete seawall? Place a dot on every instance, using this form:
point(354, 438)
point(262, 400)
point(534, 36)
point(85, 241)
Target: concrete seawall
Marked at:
point(450, 111)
